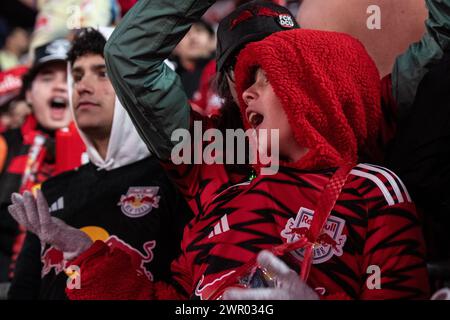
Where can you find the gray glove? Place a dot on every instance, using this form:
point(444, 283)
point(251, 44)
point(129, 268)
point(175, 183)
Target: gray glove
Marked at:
point(443, 294)
point(289, 286)
point(34, 215)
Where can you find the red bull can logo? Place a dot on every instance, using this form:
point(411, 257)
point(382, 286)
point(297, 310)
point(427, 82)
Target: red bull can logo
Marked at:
point(329, 243)
point(139, 201)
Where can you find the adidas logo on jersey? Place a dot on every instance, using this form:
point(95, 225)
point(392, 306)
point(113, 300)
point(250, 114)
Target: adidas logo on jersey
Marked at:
point(57, 205)
point(390, 185)
point(220, 227)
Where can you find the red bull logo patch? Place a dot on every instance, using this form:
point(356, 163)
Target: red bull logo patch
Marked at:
point(329, 243)
point(139, 201)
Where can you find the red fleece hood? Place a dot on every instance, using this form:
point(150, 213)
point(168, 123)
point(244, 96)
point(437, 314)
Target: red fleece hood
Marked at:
point(328, 86)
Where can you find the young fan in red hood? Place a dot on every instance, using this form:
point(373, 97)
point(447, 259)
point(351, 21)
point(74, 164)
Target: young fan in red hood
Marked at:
point(347, 231)
point(325, 87)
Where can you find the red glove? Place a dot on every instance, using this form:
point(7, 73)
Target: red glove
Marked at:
point(108, 275)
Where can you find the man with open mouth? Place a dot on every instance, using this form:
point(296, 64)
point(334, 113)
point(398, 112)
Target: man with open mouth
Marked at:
point(31, 157)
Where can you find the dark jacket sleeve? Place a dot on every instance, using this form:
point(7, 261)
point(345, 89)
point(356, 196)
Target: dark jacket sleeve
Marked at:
point(27, 276)
point(410, 68)
point(149, 90)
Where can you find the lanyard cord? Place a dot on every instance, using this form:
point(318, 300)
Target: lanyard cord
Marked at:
point(323, 210)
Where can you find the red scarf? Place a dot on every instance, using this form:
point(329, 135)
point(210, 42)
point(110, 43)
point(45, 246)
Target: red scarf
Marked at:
point(33, 167)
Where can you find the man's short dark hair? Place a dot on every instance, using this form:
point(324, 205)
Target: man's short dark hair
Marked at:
point(86, 41)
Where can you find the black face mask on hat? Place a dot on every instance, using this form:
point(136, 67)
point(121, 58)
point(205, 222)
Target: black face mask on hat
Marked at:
point(250, 22)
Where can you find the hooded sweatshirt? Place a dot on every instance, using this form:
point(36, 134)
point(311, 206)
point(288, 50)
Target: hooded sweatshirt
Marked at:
point(125, 146)
point(125, 200)
point(329, 88)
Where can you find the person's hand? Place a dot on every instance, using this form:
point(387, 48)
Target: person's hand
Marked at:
point(289, 286)
point(34, 215)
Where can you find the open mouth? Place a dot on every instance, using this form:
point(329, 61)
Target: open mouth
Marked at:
point(58, 106)
point(58, 103)
point(254, 118)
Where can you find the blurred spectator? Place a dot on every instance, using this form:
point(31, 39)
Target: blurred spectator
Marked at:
point(15, 13)
point(193, 53)
point(401, 24)
point(126, 5)
point(57, 17)
point(18, 112)
point(218, 11)
point(5, 120)
point(31, 157)
point(118, 159)
point(16, 45)
point(29, 3)
point(10, 107)
point(205, 100)
point(13, 115)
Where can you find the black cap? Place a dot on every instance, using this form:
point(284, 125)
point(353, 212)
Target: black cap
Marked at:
point(55, 50)
point(250, 22)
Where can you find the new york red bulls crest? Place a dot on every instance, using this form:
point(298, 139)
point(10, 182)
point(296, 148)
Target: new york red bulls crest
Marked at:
point(139, 201)
point(329, 243)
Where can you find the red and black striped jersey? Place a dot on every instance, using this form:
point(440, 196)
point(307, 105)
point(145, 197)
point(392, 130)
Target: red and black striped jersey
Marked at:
point(371, 246)
point(373, 231)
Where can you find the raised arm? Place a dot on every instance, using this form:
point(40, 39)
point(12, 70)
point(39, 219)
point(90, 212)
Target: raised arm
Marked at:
point(411, 67)
point(150, 91)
